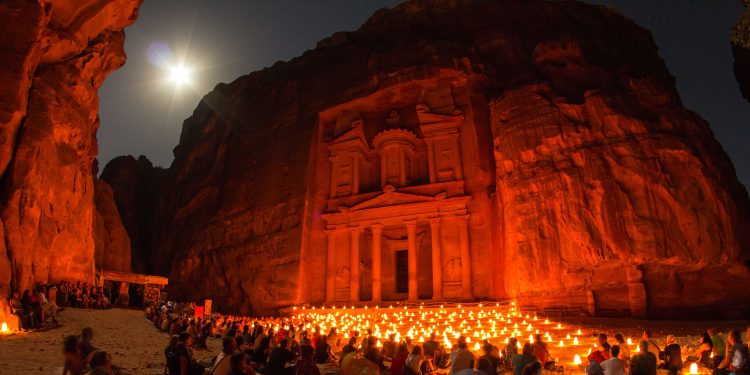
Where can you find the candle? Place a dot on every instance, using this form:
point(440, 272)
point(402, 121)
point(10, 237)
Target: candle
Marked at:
point(693, 368)
point(577, 359)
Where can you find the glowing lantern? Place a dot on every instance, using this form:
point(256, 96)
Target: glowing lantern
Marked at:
point(630, 342)
point(531, 339)
point(562, 343)
point(476, 346)
point(579, 331)
point(575, 341)
point(379, 344)
point(559, 326)
point(693, 368)
point(577, 359)
point(4, 328)
point(638, 348)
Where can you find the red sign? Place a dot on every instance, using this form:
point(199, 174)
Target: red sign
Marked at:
point(199, 311)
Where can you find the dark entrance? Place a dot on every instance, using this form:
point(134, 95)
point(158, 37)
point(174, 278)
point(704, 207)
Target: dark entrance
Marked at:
point(402, 271)
point(135, 295)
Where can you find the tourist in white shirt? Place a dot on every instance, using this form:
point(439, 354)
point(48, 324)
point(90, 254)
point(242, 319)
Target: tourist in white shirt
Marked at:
point(614, 365)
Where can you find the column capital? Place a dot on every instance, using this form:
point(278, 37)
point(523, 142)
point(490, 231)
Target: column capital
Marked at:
point(411, 224)
point(355, 228)
point(376, 227)
point(434, 221)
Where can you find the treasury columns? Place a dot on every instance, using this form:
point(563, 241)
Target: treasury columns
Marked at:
point(354, 266)
point(377, 233)
point(437, 260)
point(463, 230)
point(411, 229)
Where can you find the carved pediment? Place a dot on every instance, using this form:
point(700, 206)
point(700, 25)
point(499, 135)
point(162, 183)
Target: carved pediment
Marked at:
point(432, 120)
point(353, 138)
point(391, 197)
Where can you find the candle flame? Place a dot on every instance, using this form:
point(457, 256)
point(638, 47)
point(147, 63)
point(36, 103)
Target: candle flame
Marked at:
point(577, 359)
point(693, 368)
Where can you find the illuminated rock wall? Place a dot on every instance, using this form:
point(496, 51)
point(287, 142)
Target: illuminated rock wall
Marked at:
point(588, 184)
point(55, 56)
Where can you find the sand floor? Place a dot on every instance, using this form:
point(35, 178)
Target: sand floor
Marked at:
point(137, 347)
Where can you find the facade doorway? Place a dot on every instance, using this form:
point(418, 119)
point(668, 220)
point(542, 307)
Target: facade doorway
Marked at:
point(402, 271)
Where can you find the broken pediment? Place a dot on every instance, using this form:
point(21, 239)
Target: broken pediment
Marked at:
point(354, 138)
point(391, 197)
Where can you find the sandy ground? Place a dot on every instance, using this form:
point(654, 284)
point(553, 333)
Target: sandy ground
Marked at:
point(137, 347)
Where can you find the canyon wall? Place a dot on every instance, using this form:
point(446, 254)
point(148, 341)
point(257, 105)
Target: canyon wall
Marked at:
point(55, 56)
point(588, 184)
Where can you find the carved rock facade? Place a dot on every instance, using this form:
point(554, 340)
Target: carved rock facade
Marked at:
point(458, 150)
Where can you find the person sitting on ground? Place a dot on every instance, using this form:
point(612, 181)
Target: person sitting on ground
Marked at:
point(431, 347)
point(644, 362)
point(74, 363)
point(85, 347)
point(399, 359)
point(594, 368)
point(278, 359)
point(653, 347)
point(236, 362)
point(220, 365)
point(390, 346)
point(540, 350)
point(533, 368)
point(735, 359)
point(510, 352)
point(181, 361)
point(601, 353)
point(413, 363)
point(373, 353)
point(720, 347)
point(16, 308)
point(624, 348)
point(671, 356)
point(526, 357)
point(461, 357)
point(322, 351)
point(305, 364)
point(703, 353)
point(351, 347)
point(614, 365)
point(101, 364)
point(488, 356)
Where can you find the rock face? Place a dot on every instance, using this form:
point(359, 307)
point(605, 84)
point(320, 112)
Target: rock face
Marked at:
point(544, 142)
point(741, 50)
point(136, 184)
point(55, 56)
point(111, 242)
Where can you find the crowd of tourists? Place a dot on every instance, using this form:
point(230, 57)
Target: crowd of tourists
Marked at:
point(252, 346)
point(37, 308)
point(82, 357)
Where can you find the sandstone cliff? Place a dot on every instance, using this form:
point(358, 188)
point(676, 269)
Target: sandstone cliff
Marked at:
point(111, 242)
point(590, 184)
point(55, 56)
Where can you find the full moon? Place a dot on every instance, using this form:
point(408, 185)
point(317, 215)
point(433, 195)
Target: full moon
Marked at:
point(179, 75)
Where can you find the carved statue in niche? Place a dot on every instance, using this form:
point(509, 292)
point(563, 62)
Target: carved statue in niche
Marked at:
point(393, 118)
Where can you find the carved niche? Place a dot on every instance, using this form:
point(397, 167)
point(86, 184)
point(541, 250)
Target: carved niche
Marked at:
point(348, 156)
point(441, 134)
point(398, 157)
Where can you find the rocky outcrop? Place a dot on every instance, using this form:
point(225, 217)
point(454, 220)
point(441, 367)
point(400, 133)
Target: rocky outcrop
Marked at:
point(136, 184)
point(111, 242)
point(587, 182)
point(740, 40)
point(55, 56)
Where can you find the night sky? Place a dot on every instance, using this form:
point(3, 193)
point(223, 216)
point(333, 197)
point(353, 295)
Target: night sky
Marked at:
point(220, 40)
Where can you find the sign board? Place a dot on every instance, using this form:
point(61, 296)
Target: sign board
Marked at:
point(199, 311)
point(207, 307)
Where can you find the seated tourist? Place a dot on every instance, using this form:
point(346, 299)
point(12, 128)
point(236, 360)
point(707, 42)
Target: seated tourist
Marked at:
point(735, 360)
point(510, 352)
point(220, 365)
point(101, 364)
point(526, 357)
point(373, 353)
point(431, 347)
point(413, 363)
point(73, 361)
point(540, 350)
point(351, 347)
point(614, 365)
point(399, 359)
point(648, 335)
point(238, 365)
point(601, 353)
point(305, 364)
point(671, 356)
point(490, 357)
point(644, 362)
point(703, 353)
point(322, 351)
point(720, 347)
point(16, 308)
point(461, 357)
point(390, 346)
point(624, 347)
point(278, 359)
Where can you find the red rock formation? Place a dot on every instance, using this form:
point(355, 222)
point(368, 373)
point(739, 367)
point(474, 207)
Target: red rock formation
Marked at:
point(55, 56)
point(584, 180)
point(111, 242)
